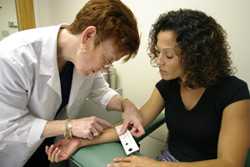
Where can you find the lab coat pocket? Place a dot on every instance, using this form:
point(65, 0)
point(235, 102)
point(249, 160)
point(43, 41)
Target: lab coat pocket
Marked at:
point(6, 130)
point(5, 134)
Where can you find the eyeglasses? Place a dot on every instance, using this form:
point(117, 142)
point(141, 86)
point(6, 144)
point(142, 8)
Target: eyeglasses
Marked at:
point(165, 53)
point(107, 61)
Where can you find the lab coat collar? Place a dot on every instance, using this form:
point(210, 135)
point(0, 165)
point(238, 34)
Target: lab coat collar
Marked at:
point(48, 65)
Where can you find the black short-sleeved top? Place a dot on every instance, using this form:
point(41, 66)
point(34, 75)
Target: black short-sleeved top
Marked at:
point(193, 135)
point(66, 81)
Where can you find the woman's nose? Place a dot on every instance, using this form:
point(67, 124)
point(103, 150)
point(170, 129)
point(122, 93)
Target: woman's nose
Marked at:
point(159, 60)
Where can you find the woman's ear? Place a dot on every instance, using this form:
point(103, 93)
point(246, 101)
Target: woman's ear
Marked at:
point(88, 34)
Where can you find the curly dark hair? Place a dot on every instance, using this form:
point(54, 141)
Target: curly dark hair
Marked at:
point(204, 49)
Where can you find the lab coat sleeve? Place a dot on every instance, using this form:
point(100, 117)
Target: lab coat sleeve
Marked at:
point(17, 124)
point(101, 92)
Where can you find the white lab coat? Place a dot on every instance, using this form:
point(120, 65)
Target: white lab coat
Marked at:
point(30, 92)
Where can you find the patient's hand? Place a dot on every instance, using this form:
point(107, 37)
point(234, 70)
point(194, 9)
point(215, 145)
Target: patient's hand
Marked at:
point(136, 161)
point(62, 149)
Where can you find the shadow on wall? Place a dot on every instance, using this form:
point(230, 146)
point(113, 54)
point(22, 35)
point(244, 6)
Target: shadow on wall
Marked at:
point(4, 34)
point(90, 108)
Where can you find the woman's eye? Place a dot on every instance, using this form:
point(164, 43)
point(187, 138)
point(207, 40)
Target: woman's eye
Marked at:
point(110, 61)
point(106, 60)
point(168, 54)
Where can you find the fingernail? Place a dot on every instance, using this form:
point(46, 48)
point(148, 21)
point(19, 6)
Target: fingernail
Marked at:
point(108, 165)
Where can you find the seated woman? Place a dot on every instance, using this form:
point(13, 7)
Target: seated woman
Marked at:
point(207, 108)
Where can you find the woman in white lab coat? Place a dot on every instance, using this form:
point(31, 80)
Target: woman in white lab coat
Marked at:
point(47, 69)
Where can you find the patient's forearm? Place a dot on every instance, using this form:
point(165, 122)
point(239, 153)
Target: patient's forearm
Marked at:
point(110, 135)
point(107, 136)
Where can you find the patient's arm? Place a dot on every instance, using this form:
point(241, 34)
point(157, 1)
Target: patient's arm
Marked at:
point(108, 135)
point(149, 110)
point(233, 143)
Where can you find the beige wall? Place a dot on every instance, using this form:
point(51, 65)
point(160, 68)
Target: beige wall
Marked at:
point(7, 14)
point(136, 77)
point(50, 12)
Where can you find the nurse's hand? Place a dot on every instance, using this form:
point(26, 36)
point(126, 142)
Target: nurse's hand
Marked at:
point(89, 127)
point(132, 119)
point(62, 149)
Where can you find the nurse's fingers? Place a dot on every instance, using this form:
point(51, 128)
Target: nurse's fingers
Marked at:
point(98, 127)
point(103, 123)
